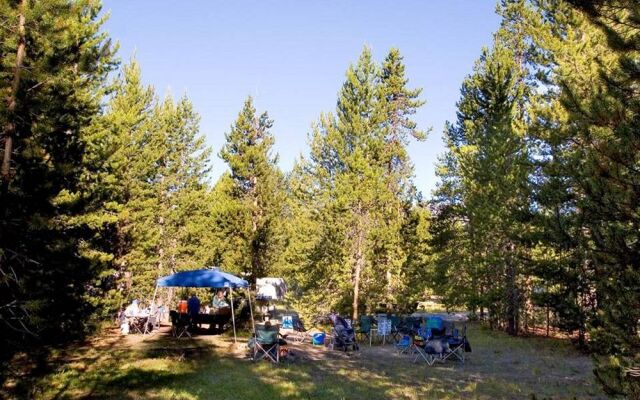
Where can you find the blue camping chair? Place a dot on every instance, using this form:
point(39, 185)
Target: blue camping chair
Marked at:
point(458, 345)
point(403, 345)
point(419, 345)
point(432, 344)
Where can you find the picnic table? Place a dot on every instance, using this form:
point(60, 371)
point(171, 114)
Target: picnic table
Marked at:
point(216, 319)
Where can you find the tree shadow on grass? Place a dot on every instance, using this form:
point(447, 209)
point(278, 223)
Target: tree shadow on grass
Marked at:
point(123, 372)
point(163, 367)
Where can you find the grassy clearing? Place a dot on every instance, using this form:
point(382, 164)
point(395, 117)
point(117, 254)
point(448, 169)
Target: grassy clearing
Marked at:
point(500, 367)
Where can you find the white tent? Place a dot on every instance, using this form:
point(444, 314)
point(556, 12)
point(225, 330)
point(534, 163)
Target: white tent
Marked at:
point(270, 289)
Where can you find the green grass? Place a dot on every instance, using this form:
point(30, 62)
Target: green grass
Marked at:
point(500, 367)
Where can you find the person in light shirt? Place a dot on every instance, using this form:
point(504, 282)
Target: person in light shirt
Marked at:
point(219, 301)
point(132, 309)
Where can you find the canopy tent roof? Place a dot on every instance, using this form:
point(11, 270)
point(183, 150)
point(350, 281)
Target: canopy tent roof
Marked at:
point(211, 278)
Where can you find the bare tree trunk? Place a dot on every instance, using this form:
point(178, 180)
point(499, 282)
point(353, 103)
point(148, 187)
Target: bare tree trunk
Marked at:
point(512, 296)
point(256, 263)
point(12, 101)
point(359, 258)
point(160, 264)
point(548, 319)
point(359, 264)
point(528, 305)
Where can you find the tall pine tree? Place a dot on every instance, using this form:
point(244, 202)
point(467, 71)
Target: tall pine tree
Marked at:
point(255, 192)
point(359, 179)
point(54, 60)
point(487, 152)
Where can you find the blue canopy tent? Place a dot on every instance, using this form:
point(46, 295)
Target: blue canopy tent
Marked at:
point(207, 278)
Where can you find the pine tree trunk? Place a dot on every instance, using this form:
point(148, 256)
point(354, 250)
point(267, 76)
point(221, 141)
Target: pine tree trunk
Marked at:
point(356, 283)
point(548, 319)
point(512, 293)
point(160, 265)
point(255, 245)
point(359, 260)
point(359, 263)
point(393, 187)
point(528, 305)
point(10, 128)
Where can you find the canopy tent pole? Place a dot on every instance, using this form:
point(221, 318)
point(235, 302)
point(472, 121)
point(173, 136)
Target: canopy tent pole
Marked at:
point(233, 317)
point(253, 323)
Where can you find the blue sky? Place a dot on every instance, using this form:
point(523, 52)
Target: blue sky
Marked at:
point(291, 56)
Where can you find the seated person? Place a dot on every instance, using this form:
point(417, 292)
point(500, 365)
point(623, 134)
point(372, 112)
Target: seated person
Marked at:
point(182, 306)
point(132, 309)
point(143, 310)
point(219, 301)
point(193, 305)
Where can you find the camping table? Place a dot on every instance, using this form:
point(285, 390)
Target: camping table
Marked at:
point(213, 320)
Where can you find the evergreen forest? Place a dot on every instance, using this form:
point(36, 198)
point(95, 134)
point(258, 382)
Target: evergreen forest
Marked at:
point(534, 224)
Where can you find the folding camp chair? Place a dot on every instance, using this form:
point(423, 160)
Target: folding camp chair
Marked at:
point(403, 345)
point(429, 353)
point(153, 322)
point(427, 347)
point(395, 325)
point(301, 334)
point(420, 338)
point(409, 326)
point(364, 328)
point(180, 324)
point(266, 343)
point(457, 345)
point(137, 324)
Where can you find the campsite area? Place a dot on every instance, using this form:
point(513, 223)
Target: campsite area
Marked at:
point(211, 367)
point(336, 199)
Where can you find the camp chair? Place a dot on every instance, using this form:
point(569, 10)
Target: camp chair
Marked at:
point(137, 324)
point(409, 326)
point(395, 325)
point(152, 323)
point(287, 321)
point(180, 324)
point(383, 328)
point(301, 333)
point(457, 345)
point(422, 335)
point(422, 348)
point(403, 345)
point(364, 328)
point(267, 343)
